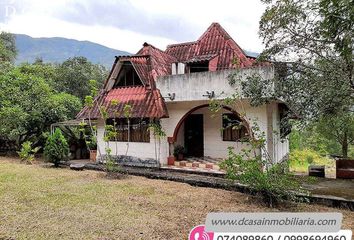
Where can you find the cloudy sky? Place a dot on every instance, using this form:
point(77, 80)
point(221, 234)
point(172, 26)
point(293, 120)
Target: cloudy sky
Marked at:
point(127, 24)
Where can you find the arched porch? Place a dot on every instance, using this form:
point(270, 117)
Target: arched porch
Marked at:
point(204, 136)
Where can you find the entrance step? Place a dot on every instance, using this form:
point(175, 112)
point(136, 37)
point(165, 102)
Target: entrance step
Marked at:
point(197, 165)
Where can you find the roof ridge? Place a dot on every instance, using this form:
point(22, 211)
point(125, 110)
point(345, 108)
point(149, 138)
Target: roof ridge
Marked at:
point(180, 44)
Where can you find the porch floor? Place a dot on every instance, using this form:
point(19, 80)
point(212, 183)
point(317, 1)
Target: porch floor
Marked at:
point(198, 164)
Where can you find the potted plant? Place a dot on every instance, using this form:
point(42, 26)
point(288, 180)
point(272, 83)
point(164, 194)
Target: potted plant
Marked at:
point(92, 146)
point(171, 160)
point(179, 152)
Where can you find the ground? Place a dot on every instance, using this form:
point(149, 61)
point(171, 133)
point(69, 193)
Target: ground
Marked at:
point(45, 203)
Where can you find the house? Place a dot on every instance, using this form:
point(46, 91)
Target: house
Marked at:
point(175, 87)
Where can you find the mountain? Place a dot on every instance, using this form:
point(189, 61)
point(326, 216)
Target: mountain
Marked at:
point(251, 54)
point(58, 49)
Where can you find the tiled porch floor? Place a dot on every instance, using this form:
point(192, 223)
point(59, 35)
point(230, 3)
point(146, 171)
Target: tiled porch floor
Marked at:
point(193, 164)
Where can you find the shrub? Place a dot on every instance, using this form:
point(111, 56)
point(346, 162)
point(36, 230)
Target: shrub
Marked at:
point(272, 182)
point(27, 152)
point(299, 160)
point(56, 148)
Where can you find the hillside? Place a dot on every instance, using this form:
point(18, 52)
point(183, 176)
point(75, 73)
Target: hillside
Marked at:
point(58, 49)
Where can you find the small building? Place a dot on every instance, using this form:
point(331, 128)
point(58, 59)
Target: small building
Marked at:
point(174, 87)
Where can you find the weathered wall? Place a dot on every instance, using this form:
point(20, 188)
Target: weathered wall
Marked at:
point(192, 86)
point(214, 146)
point(189, 90)
point(136, 149)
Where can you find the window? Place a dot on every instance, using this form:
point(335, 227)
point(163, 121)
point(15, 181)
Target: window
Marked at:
point(198, 67)
point(284, 123)
point(127, 76)
point(232, 128)
point(137, 131)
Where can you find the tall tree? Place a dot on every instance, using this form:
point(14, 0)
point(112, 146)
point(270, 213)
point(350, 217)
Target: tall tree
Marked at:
point(314, 41)
point(28, 105)
point(339, 128)
point(311, 44)
point(74, 74)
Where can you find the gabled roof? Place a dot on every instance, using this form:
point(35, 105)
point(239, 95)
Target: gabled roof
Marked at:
point(215, 40)
point(149, 63)
point(145, 103)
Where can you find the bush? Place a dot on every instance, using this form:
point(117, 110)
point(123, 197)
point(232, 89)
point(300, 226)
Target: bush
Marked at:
point(299, 160)
point(272, 183)
point(56, 148)
point(27, 152)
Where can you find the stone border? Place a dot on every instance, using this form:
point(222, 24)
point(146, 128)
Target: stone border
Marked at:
point(212, 181)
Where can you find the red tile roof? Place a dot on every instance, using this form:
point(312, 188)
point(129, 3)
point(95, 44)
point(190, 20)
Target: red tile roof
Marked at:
point(214, 41)
point(215, 46)
point(144, 103)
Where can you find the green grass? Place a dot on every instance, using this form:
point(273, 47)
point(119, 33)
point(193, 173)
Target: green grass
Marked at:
point(46, 203)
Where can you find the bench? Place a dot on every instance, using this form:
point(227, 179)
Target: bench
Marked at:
point(317, 171)
point(345, 168)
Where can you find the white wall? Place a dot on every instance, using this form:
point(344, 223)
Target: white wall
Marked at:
point(214, 146)
point(141, 150)
point(280, 146)
point(192, 86)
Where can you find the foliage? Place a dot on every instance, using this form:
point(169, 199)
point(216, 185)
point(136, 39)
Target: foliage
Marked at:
point(253, 166)
point(325, 136)
point(8, 50)
point(29, 99)
point(73, 76)
point(27, 152)
point(159, 134)
point(56, 148)
point(272, 182)
point(341, 128)
point(311, 45)
point(314, 41)
point(299, 160)
point(179, 149)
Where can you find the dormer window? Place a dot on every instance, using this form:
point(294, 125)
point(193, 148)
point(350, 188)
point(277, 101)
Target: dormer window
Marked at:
point(127, 76)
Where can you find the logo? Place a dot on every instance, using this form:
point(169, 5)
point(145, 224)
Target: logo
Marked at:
point(198, 233)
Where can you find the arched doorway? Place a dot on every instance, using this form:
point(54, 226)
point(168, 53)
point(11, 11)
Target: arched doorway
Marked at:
point(193, 131)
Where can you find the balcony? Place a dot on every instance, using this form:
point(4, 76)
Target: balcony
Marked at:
point(203, 85)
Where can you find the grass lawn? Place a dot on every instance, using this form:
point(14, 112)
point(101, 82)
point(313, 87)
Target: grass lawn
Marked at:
point(46, 203)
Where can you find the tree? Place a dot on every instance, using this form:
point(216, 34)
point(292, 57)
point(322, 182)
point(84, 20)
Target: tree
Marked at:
point(28, 106)
point(314, 41)
point(56, 148)
point(8, 50)
point(74, 74)
point(341, 128)
point(310, 43)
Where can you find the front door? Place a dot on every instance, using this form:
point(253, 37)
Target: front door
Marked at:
point(193, 135)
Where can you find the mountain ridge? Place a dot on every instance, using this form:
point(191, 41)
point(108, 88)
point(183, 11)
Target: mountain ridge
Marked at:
point(58, 49)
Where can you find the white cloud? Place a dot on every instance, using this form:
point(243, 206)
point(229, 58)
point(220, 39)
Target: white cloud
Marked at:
point(38, 18)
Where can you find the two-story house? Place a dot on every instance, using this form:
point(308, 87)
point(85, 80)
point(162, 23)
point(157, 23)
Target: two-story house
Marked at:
point(175, 87)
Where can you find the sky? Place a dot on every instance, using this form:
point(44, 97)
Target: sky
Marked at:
point(127, 24)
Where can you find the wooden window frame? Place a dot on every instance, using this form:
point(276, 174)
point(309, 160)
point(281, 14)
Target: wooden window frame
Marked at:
point(231, 134)
point(138, 130)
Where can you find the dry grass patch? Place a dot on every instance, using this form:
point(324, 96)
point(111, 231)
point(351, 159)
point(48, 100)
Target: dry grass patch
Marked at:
point(47, 203)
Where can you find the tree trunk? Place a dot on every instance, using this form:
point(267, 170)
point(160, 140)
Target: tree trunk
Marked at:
point(345, 145)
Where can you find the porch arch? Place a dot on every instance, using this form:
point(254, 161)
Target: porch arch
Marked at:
point(173, 139)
